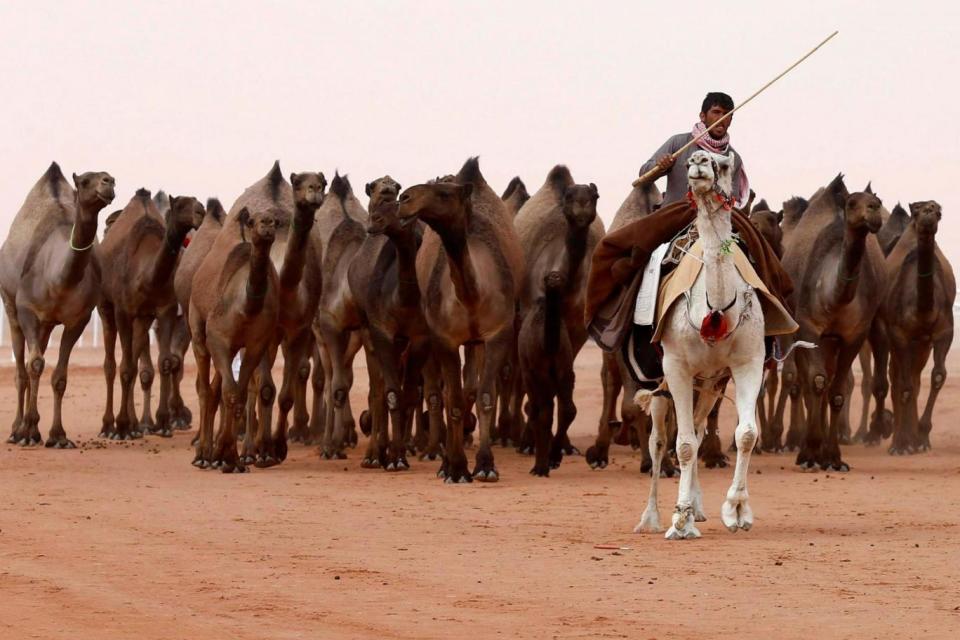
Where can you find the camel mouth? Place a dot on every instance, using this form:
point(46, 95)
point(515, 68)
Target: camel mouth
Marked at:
point(105, 199)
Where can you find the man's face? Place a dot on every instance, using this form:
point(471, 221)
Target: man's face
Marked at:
point(713, 114)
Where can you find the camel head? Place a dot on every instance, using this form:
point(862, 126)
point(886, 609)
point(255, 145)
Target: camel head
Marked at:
point(768, 224)
point(384, 189)
point(385, 218)
point(925, 216)
point(439, 204)
point(95, 189)
point(185, 213)
point(260, 227)
point(580, 205)
point(308, 189)
point(863, 212)
point(710, 172)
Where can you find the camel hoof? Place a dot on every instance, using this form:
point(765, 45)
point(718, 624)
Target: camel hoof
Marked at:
point(839, 467)
point(689, 532)
point(525, 450)
point(540, 473)
point(60, 443)
point(370, 463)
point(718, 461)
point(400, 464)
point(29, 441)
point(229, 467)
point(649, 522)
point(736, 514)
point(900, 450)
point(430, 455)
point(808, 466)
point(486, 475)
point(571, 450)
point(265, 462)
point(595, 459)
point(165, 432)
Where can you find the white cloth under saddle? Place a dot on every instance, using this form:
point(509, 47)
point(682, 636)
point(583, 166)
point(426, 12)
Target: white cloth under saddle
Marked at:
point(644, 312)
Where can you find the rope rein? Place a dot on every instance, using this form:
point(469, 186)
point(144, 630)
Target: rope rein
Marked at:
point(76, 248)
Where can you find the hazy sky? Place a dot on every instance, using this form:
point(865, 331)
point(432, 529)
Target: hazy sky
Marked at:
point(200, 97)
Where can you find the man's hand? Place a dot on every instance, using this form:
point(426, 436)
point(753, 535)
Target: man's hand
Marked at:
point(665, 163)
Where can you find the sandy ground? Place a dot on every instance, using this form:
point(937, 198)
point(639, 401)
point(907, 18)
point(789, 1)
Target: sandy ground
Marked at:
point(118, 540)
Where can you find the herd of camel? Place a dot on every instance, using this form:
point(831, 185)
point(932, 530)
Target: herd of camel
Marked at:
point(469, 307)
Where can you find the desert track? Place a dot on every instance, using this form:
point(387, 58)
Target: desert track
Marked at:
point(131, 539)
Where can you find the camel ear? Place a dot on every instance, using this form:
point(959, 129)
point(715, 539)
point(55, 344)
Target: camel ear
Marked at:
point(294, 180)
point(323, 180)
point(914, 209)
point(369, 189)
point(244, 216)
point(594, 192)
point(76, 181)
point(779, 216)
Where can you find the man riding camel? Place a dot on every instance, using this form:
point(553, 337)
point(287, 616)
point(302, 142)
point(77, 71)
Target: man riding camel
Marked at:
point(714, 107)
point(619, 260)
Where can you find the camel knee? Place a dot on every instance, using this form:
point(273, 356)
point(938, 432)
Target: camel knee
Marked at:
point(686, 448)
point(938, 377)
point(906, 396)
point(303, 372)
point(267, 393)
point(36, 366)
point(433, 402)
point(59, 382)
point(819, 383)
point(146, 377)
point(506, 373)
point(127, 374)
point(393, 400)
point(486, 402)
point(166, 365)
point(339, 398)
point(746, 436)
point(836, 401)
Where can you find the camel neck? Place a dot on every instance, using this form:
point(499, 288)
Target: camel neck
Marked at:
point(576, 245)
point(258, 278)
point(926, 267)
point(461, 265)
point(165, 262)
point(716, 236)
point(295, 259)
point(405, 243)
point(80, 241)
point(851, 260)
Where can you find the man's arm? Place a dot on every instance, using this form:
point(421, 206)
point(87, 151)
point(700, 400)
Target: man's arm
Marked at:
point(661, 158)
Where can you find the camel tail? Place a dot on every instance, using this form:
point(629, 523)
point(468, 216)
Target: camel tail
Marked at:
point(643, 399)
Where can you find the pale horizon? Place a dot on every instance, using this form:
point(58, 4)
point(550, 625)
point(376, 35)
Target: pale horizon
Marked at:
point(200, 98)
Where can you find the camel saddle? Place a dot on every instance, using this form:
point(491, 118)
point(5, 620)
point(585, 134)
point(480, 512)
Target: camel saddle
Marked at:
point(617, 265)
point(776, 319)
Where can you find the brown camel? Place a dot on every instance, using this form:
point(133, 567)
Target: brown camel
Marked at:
point(49, 276)
point(138, 258)
point(341, 229)
point(635, 425)
point(234, 304)
point(469, 269)
point(193, 255)
point(383, 278)
point(916, 317)
point(834, 254)
point(558, 229)
point(515, 196)
point(297, 256)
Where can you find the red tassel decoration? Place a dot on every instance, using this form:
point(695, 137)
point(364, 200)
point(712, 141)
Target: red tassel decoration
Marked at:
point(714, 326)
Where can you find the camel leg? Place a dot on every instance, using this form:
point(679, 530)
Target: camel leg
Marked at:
point(417, 354)
point(322, 371)
point(841, 388)
point(301, 417)
point(681, 387)
point(454, 466)
point(376, 454)
point(771, 388)
point(881, 423)
point(295, 353)
point(541, 400)
point(108, 320)
point(396, 459)
point(748, 378)
point(432, 392)
point(58, 436)
point(813, 367)
point(37, 336)
point(866, 388)
point(798, 409)
point(146, 425)
point(566, 413)
point(789, 390)
point(938, 376)
point(337, 345)
point(208, 403)
point(180, 415)
point(495, 354)
point(235, 400)
point(473, 357)
point(904, 397)
point(166, 323)
point(598, 456)
point(650, 520)
point(712, 449)
point(125, 428)
point(21, 379)
point(270, 451)
point(845, 430)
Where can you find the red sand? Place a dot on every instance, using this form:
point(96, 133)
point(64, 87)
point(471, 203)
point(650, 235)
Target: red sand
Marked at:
point(121, 540)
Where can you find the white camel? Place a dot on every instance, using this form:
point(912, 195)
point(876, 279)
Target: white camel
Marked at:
point(715, 330)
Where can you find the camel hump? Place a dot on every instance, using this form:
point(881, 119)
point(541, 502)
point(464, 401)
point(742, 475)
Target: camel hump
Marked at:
point(762, 205)
point(470, 172)
point(559, 179)
point(516, 186)
point(838, 191)
point(340, 186)
point(275, 181)
point(54, 179)
point(215, 210)
point(143, 194)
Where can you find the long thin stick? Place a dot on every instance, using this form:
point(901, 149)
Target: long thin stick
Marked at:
point(676, 154)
